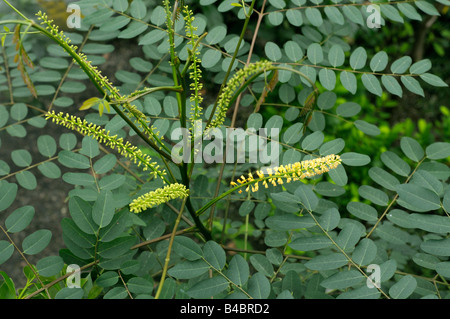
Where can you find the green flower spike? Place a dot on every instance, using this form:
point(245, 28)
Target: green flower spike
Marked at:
point(158, 196)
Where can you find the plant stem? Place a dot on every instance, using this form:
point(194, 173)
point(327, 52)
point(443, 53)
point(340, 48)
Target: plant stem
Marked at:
point(169, 251)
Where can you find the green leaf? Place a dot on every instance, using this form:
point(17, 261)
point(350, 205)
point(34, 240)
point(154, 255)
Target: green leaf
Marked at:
point(425, 260)
point(19, 219)
point(7, 287)
point(411, 148)
point(238, 270)
point(189, 269)
point(4, 115)
point(400, 218)
point(27, 180)
point(187, 248)
point(313, 141)
point(327, 78)
point(348, 109)
point(259, 286)
point(81, 213)
point(214, 255)
point(438, 150)
point(403, 288)
point(409, 11)
point(355, 159)
point(348, 80)
point(134, 29)
point(334, 15)
point(420, 67)
point(443, 269)
point(46, 145)
point(339, 175)
point(401, 65)
point(216, 34)
point(327, 262)
point(329, 189)
point(430, 223)
point(107, 279)
point(433, 80)
point(138, 285)
point(210, 58)
point(293, 51)
point(105, 164)
point(311, 243)
point(392, 234)
point(336, 55)
point(332, 147)
point(50, 266)
point(315, 53)
point(6, 251)
point(358, 58)
point(343, 279)
point(21, 158)
point(293, 133)
point(273, 51)
point(419, 199)
point(138, 9)
point(294, 17)
point(372, 84)
point(383, 178)
point(82, 179)
point(391, 84)
point(208, 288)
point(116, 293)
point(262, 264)
point(395, 163)
point(362, 211)
point(67, 141)
point(365, 252)
point(72, 232)
point(110, 182)
point(36, 242)
point(427, 180)
point(73, 160)
point(438, 247)
point(373, 194)
point(412, 85)
point(361, 293)
point(104, 208)
point(329, 219)
point(307, 197)
point(391, 13)
point(348, 237)
point(367, 128)
point(292, 284)
point(354, 14)
point(289, 221)
point(379, 61)
point(314, 16)
point(19, 111)
point(70, 293)
point(116, 247)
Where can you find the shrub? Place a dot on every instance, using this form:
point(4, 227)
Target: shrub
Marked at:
point(186, 185)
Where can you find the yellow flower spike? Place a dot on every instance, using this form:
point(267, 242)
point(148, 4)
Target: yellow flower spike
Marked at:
point(158, 196)
point(290, 172)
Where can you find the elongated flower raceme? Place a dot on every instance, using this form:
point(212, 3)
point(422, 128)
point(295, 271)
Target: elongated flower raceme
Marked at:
point(232, 86)
point(158, 196)
point(126, 149)
point(288, 173)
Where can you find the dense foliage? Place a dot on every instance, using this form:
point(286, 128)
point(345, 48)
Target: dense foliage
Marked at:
point(234, 149)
